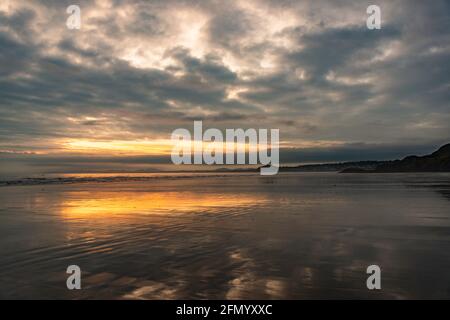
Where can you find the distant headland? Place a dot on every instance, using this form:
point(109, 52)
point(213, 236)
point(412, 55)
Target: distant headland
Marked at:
point(438, 161)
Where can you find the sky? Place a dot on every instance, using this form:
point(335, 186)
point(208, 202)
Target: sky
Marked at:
point(108, 96)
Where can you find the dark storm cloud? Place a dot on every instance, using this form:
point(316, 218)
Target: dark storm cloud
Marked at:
point(209, 70)
point(332, 49)
point(14, 56)
point(228, 27)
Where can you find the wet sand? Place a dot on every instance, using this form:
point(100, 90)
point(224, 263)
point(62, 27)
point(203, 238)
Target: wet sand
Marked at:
point(290, 236)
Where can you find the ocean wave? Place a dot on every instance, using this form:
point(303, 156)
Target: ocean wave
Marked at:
point(114, 178)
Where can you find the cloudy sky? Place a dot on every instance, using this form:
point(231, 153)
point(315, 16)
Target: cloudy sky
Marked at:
point(112, 92)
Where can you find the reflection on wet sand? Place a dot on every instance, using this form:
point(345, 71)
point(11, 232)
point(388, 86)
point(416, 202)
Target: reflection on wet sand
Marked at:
point(107, 204)
point(246, 283)
point(292, 236)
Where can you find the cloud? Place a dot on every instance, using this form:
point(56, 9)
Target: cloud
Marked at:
point(139, 69)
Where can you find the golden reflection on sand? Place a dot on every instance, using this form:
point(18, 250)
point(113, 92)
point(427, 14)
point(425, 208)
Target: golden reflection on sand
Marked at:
point(105, 204)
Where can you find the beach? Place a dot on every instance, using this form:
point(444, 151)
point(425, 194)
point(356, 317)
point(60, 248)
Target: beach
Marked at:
point(228, 236)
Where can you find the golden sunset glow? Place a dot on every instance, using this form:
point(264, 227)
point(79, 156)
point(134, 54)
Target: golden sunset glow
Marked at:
point(150, 147)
